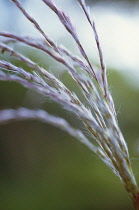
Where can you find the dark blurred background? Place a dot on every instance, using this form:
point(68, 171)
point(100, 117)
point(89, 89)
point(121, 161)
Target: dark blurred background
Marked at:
point(42, 167)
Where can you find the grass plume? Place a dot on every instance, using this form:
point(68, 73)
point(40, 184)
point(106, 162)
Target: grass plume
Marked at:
point(100, 119)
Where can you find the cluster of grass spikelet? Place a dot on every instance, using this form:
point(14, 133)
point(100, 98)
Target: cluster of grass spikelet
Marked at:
point(100, 119)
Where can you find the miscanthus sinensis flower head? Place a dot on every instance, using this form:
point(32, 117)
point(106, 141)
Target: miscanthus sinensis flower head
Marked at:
point(100, 119)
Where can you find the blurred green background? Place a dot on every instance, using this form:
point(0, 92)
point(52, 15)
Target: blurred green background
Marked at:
point(42, 167)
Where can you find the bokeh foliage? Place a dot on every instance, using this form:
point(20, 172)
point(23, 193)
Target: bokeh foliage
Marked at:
point(44, 168)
